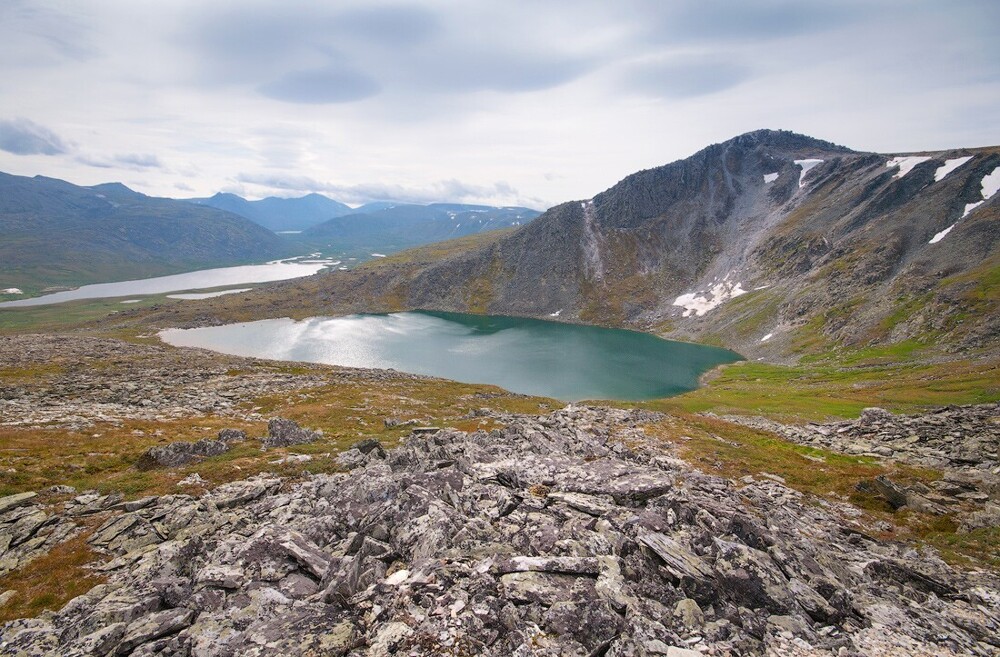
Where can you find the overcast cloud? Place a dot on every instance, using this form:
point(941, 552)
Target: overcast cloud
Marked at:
point(507, 102)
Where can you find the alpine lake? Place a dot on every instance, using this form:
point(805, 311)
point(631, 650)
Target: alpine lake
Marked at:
point(569, 362)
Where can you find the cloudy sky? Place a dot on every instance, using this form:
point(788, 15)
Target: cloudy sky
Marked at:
point(527, 102)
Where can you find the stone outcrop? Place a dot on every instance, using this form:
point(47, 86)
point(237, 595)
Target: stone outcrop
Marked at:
point(143, 382)
point(172, 455)
point(952, 437)
point(28, 530)
point(282, 432)
point(547, 537)
point(963, 442)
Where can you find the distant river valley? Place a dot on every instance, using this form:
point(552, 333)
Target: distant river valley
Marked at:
point(569, 362)
point(278, 270)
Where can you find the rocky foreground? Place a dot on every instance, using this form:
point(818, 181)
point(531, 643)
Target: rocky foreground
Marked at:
point(564, 534)
point(82, 380)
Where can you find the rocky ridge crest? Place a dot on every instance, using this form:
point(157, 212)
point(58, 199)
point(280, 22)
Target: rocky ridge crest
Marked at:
point(565, 534)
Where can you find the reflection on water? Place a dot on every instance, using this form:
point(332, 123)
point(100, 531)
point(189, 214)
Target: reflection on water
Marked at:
point(565, 361)
point(194, 280)
point(207, 295)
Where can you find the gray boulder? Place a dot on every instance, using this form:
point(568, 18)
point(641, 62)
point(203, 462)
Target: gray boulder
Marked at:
point(180, 453)
point(282, 432)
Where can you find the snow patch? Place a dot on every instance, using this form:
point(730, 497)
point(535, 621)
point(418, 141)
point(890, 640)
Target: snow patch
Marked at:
point(766, 337)
point(12, 290)
point(969, 207)
point(130, 301)
point(556, 313)
point(770, 178)
point(699, 303)
point(989, 186)
point(806, 165)
point(906, 163)
point(940, 236)
point(378, 255)
point(949, 166)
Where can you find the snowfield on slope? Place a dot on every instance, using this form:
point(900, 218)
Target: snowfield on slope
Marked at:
point(699, 303)
point(806, 165)
point(905, 163)
point(949, 166)
point(990, 185)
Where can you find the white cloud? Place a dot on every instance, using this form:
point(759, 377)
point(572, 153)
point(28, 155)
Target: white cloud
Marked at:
point(23, 137)
point(559, 99)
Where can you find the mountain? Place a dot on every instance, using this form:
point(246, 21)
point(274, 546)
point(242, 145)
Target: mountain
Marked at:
point(55, 233)
point(390, 228)
point(772, 243)
point(279, 214)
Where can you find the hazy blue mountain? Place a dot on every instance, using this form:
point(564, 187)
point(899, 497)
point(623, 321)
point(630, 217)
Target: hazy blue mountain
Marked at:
point(55, 233)
point(400, 226)
point(279, 214)
point(375, 206)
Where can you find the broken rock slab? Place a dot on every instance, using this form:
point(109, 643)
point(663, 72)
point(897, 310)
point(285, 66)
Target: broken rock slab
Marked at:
point(282, 432)
point(180, 453)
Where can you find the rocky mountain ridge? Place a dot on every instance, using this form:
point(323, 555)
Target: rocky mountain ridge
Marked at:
point(571, 533)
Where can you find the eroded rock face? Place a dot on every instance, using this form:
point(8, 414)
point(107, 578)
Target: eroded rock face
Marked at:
point(544, 538)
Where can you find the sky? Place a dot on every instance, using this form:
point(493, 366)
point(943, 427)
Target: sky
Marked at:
point(511, 102)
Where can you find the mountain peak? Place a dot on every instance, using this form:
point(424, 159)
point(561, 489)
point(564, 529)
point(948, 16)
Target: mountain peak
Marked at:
point(782, 140)
point(115, 188)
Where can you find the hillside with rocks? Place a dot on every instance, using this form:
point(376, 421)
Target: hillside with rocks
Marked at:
point(572, 533)
point(772, 244)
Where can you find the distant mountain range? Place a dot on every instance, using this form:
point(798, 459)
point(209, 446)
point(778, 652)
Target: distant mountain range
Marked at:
point(397, 227)
point(379, 225)
point(770, 243)
point(55, 233)
point(279, 214)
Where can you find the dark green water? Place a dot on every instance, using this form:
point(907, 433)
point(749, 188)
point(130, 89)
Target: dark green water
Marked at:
point(565, 361)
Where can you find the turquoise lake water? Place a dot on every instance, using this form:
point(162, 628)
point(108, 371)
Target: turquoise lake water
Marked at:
point(569, 362)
